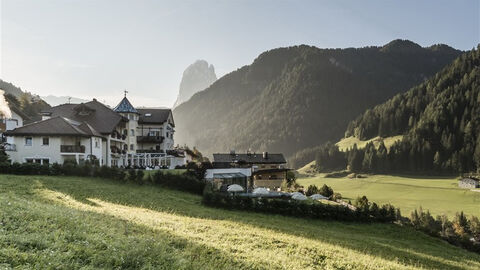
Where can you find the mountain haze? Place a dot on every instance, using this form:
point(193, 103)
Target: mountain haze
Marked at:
point(57, 100)
point(196, 77)
point(298, 97)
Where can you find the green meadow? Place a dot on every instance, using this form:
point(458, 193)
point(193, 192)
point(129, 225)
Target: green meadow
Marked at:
point(88, 223)
point(347, 143)
point(440, 195)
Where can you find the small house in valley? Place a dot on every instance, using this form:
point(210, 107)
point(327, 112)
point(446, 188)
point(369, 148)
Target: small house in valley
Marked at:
point(469, 182)
point(267, 170)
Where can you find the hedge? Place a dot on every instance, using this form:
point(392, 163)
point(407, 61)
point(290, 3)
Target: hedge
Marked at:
point(185, 182)
point(304, 209)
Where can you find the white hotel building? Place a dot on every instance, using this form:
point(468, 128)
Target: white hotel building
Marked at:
point(124, 136)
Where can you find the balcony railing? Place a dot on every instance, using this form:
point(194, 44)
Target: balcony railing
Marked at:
point(72, 148)
point(141, 151)
point(150, 139)
point(118, 136)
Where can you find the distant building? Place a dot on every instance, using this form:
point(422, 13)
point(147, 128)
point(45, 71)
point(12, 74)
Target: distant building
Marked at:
point(55, 140)
point(268, 170)
point(469, 183)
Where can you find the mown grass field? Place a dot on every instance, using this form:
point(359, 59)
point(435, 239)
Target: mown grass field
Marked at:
point(90, 223)
point(440, 195)
point(347, 143)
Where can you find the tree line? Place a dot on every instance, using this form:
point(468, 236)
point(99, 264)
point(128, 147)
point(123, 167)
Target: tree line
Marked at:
point(440, 120)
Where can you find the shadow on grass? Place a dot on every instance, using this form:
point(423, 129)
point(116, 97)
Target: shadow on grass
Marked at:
point(389, 242)
point(64, 227)
point(426, 176)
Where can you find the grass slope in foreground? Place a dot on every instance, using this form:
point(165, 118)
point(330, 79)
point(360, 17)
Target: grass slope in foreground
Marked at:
point(440, 195)
point(70, 223)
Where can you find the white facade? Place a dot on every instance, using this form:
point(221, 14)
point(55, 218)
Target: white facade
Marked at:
point(54, 149)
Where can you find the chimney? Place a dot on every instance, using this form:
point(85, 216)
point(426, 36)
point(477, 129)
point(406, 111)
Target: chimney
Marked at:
point(265, 155)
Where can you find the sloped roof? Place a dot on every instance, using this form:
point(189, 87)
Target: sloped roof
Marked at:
point(97, 115)
point(125, 107)
point(157, 116)
point(59, 126)
point(248, 158)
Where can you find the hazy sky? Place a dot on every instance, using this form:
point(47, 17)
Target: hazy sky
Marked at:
point(98, 48)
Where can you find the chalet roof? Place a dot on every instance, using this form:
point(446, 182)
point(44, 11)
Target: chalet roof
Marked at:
point(229, 175)
point(275, 170)
point(249, 158)
point(125, 107)
point(154, 116)
point(100, 117)
point(59, 126)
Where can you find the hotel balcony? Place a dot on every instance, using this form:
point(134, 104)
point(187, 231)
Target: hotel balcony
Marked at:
point(141, 151)
point(117, 136)
point(72, 148)
point(150, 139)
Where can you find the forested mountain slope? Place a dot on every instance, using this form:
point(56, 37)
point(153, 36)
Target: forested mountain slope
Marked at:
point(440, 119)
point(26, 102)
point(297, 97)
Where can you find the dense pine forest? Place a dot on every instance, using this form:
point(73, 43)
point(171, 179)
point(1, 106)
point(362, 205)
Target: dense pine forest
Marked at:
point(300, 97)
point(440, 121)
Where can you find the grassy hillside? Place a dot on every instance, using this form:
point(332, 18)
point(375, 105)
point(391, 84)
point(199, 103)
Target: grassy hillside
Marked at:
point(298, 97)
point(440, 195)
point(69, 222)
point(347, 143)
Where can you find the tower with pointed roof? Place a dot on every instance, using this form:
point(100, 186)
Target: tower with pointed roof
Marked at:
point(126, 109)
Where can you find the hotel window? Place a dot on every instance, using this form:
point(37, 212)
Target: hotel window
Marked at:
point(153, 133)
point(28, 141)
point(131, 146)
point(132, 132)
point(45, 141)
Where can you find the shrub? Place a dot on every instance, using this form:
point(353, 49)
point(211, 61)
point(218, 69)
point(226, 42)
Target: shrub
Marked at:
point(326, 191)
point(198, 170)
point(336, 196)
point(312, 189)
point(287, 207)
point(184, 182)
point(132, 175)
point(56, 169)
point(139, 177)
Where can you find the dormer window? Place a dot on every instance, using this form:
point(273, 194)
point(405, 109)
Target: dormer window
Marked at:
point(84, 113)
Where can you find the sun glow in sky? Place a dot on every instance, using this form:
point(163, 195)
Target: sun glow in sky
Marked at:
point(93, 48)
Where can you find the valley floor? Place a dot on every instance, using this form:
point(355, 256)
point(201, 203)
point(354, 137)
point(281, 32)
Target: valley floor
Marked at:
point(73, 222)
point(440, 195)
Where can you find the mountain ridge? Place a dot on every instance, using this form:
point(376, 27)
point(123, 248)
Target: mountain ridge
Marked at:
point(282, 100)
